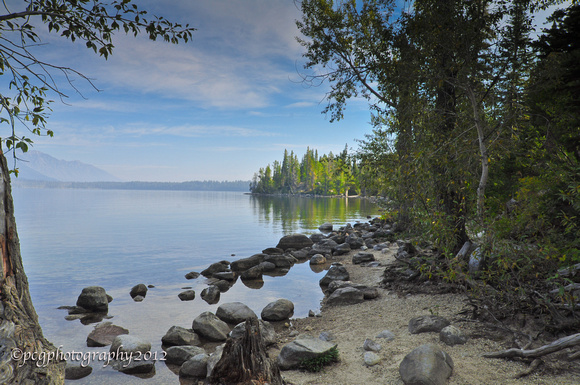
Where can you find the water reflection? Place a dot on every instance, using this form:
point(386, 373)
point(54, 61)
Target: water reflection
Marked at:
point(293, 214)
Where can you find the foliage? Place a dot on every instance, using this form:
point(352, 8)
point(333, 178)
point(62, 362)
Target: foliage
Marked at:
point(25, 105)
point(476, 131)
point(316, 364)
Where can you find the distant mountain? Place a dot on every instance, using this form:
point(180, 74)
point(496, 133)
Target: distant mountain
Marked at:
point(39, 166)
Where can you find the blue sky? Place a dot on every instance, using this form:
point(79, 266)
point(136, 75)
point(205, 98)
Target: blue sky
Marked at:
point(219, 107)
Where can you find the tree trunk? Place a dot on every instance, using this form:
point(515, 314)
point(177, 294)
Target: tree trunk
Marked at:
point(245, 361)
point(20, 333)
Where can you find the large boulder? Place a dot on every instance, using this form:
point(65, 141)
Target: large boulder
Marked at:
point(335, 273)
point(246, 263)
point(94, 298)
point(294, 241)
point(177, 335)
point(294, 353)
point(234, 312)
point(177, 355)
point(345, 296)
point(209, 326)
point(104, 334)
point(426, 365)
point(279, 310)
point(427, 323)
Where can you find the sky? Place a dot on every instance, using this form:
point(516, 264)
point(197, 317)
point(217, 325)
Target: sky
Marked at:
point(217, 108)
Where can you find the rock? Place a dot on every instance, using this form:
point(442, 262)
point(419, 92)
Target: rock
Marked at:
point(138, 298)
point(317, 237)
point(294, 241)
point(76, 372)
point(279, 310)
point(214, 359)
point(369, 292)
point(267, 266)
point(187, 295)
point(177, 335)
point(129, 344)
point(326, 336)
point(269, 335)
point(195, 367)
point(192, 275)
point(234, 312)
point(217, 267)
point(131, 366)
point(104, 334)
point(371, 358)
point(362, 257)
point(326, 246)
point(299, 350)
point(139, 289)
point(427, 323)
point(301, 254)
point(281, 261)
point(246, 263)
point(345, 296)
point(208, 325)
point(94, 299)
point(343, 248)
point(381, 246)
point(325, 227)
point(452, 335)
point(426, 365)
point(386, 334)
point(355, 241)
point(252, 273)
point(211, 294)
point(372, 346)
point(177, 355)
point(222, 285)
point(335, 273)
point(273, 251)
point(225, 275)
point(317, 259)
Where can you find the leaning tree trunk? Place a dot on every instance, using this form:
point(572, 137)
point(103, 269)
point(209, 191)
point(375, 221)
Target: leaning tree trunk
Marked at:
point(20, 332)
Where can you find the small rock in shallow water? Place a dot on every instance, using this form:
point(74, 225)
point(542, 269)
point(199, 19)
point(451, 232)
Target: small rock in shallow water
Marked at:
point(187, 295)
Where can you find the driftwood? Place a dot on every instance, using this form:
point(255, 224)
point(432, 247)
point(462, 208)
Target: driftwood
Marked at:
point(562, 343)
point(245, 360)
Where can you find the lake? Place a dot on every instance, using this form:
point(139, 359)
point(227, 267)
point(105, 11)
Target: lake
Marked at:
point(73, 238)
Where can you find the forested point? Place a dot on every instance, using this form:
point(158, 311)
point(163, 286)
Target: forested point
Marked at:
point(318, 175)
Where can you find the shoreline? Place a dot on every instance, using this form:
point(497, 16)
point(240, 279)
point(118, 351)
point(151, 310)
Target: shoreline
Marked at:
point(350, 325)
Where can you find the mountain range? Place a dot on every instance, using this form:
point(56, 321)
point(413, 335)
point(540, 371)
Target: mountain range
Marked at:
point(38, 166)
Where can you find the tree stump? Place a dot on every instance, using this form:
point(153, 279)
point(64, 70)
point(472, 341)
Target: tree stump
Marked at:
point(245, 360)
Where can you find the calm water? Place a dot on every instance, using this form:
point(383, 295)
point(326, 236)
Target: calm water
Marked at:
point(116, 239)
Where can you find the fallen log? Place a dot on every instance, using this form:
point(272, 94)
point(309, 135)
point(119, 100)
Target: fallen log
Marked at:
point(560, 344)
